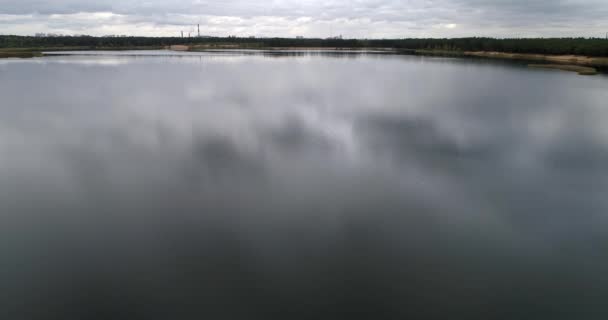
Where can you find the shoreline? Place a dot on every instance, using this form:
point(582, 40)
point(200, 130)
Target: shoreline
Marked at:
point(559, 59)
point(587, 64)
point(26, 53)
point(569, 60)
point(581, 70)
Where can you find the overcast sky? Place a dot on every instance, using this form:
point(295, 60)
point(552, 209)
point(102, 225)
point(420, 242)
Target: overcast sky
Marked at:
point(311, 18)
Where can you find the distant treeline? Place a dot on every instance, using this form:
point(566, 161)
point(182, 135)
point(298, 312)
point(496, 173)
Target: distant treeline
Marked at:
point(579, 46)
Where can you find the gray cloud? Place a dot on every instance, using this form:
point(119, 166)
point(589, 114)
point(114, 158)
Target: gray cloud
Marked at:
point(357, 18)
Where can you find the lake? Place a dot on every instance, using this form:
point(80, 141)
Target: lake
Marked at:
point(300, 185)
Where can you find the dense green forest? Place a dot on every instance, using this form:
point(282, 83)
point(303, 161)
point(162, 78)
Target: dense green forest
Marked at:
point(580, 46)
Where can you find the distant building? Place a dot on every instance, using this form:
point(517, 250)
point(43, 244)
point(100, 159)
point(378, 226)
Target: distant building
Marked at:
point(300, 37)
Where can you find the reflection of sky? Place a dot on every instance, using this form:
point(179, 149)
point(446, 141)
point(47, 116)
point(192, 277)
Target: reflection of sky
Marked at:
point(417, 177)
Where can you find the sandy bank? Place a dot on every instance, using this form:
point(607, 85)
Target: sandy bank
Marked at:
point(561, 59)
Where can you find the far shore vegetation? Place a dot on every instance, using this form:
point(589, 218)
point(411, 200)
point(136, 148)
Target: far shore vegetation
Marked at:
point(587, 52)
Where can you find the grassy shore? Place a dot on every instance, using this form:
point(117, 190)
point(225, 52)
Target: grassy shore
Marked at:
point(585, 71)
point(584, 65)
point(38, 51)
point(560, 59)
point(22, 55)
point(19, 53)
point(32, 52)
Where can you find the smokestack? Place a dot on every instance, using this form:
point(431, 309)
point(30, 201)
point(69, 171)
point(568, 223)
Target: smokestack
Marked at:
point(182, 34)
point(198, 26)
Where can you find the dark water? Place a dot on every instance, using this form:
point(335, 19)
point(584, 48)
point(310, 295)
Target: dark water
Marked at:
point(306, 186)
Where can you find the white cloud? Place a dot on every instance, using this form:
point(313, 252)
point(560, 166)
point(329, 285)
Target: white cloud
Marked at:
point(313, 18)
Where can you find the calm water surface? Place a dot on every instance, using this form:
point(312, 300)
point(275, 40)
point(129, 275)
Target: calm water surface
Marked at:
point(300, 186)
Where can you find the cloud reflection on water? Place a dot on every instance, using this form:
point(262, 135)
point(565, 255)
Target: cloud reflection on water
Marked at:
point(372, 187)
